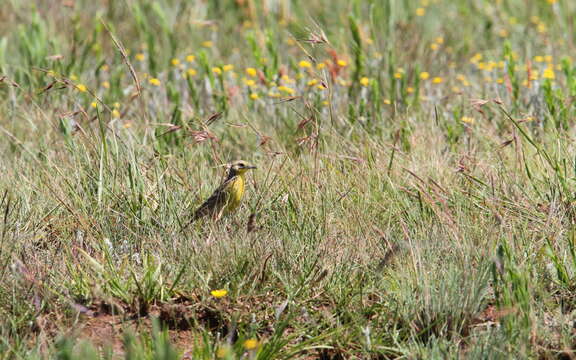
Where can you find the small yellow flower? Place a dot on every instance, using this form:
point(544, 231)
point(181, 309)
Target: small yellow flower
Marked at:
point(476, 58)
point(304, 64)
point(154, 81)
point(320, 66)
point(115, 114)
point(424, 75)
point(251, 344)
point(106, 85)
point(94, 104)
point(467, 120)
point(116, 105)
point(539, 59)
point(175, 62)
point(548, 58)
point(549, 73)
point(410, 90)
point(325, 103)
point(190, 58)
point(81, 87)
point(251, 72)
point(191, 72)
point(364, 81)
point(320, 87)
point(439, 40)
point(342, 63)
point(274, 94)
point(500, 81)
point(312, 82)
point(207, 44)
point(249, 82)
point(220, 293)
point(437, 80)
point(387, 101)
point(228, 67)
point(398, 75)
point(254, 96)
point(503, 33)
point(216, 70)
point(434, 46)
point(140, 57)
point(420, 11)
point(286, 89)
point(542, 28)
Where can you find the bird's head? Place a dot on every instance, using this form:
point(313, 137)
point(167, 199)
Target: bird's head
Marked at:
point(239, 167)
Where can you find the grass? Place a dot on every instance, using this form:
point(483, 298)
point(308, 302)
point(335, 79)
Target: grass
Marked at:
point(413, 198)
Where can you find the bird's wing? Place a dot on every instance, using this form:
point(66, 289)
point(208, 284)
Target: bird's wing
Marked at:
point(214, 203)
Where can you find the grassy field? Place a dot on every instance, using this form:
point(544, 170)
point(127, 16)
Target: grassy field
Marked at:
point(414, 197)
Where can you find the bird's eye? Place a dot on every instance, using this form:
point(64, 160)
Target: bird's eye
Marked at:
point(241, 165)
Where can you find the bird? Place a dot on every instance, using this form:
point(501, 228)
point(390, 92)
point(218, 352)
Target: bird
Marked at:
point(228, 196)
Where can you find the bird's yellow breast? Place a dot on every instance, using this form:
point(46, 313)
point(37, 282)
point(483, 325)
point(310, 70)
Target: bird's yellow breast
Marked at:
point(235, 190)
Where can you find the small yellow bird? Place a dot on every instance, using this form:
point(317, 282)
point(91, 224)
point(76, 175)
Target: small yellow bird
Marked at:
point(229, 195)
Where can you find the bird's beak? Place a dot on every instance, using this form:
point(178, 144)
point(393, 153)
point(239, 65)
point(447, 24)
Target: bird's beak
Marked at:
point(251, 167)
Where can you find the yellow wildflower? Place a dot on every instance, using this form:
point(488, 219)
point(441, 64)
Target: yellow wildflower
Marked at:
point(251, 344)
point(216, 70)
point(175, 62)
point(106, 85)
point(420, 11)
point(228, 67)
point(254, 96)
point(312, 82)
point(549, 73)
point(207, 44)
point(94, 104)
point(424, 75)
point(251, 72)
point(190, 58)
point(320, 66)
point(154, 81)
point(220, 293)
point(81, 87)
point(249, 82)
point(191, 72)
point(467, 120)
point(342, 63)
point(140, 57)
point(304, 64)
point(115, 113)
point(437, 80)
point(286, 89)
point(364, 81)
